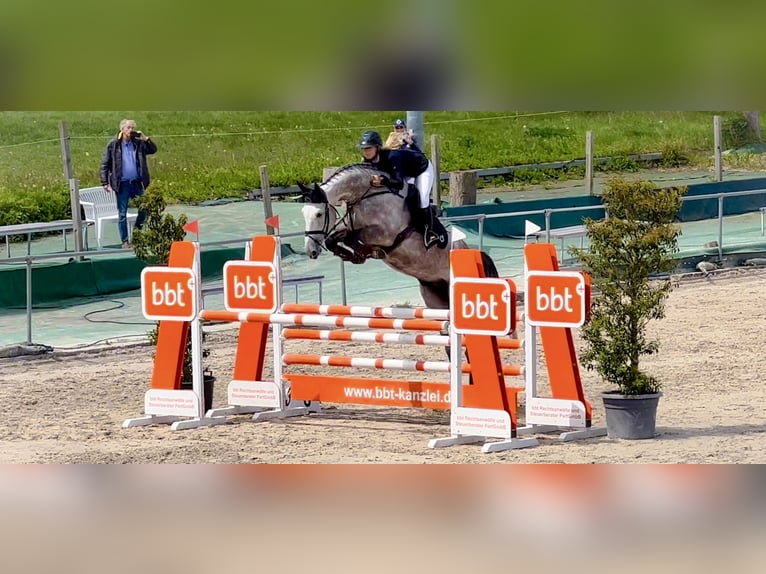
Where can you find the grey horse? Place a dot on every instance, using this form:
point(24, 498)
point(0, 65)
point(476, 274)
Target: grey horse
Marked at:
point(354, 220)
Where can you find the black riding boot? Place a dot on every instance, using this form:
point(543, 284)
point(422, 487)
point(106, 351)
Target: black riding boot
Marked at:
point(434, 232)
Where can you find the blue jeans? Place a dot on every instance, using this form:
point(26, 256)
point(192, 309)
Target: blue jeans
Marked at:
point(128, 191)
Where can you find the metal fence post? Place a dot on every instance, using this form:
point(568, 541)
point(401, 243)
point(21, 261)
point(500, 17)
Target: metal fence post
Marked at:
point(343, 282)
point(266, 196)
point(717, 140)
point(29, 300)
point(720, 227)
point(548, 225)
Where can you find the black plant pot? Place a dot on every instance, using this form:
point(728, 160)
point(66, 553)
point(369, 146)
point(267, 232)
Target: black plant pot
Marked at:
point(630, 416)
point(208, 386)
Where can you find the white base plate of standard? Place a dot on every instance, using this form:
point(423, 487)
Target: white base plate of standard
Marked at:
point(254, 394)
point(480, 422)
point(555, 412)
point(170, 402)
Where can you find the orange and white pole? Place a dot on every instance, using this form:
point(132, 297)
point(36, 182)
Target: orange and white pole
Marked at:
point(377, 337)
point(325, 320)
point(387, 364)
point(364, 311)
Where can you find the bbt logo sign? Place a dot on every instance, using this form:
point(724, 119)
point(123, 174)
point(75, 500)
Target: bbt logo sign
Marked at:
point(250, 286)
point(556, 298)
point(481, 306)
point(168, 294)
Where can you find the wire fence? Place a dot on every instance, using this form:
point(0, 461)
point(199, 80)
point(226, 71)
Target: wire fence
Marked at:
point(292, 131)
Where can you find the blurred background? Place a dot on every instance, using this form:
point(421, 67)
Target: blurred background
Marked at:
point(404, 519)
point(344, 55)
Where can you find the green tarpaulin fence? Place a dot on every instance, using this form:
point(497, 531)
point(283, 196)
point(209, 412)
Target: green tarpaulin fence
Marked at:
point(52, 282)
point(513, 226)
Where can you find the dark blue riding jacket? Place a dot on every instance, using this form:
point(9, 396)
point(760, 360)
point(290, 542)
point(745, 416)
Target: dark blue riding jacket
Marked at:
point(400, 164)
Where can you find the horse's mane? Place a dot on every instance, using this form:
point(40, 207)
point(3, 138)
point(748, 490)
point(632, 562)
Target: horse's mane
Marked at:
point(351, 169)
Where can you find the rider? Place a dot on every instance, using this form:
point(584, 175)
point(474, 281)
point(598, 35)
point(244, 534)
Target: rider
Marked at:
point(402, 164)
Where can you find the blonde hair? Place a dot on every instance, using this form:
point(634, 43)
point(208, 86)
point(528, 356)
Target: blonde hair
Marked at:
point(394, 141)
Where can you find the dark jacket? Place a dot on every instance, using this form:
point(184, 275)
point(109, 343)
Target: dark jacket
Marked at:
point(413, 146)
point(400, 164)
point(111, 163)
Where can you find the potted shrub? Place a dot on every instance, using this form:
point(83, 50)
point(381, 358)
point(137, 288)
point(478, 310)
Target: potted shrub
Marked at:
point(152, 244)
point(628, 259)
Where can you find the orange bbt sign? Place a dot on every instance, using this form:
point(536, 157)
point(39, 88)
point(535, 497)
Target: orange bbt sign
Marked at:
point(556, 298)
point(168, 294)
point(481, 306)
point(250, 286)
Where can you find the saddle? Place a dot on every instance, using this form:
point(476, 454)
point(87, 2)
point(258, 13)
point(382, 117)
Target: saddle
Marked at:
point(347, 244)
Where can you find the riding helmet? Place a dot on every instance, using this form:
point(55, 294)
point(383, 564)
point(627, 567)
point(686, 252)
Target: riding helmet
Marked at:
point(370, 138)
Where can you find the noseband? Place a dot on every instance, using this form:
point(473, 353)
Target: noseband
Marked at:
point(339, 221)
point(345, 223)
point(326, 231)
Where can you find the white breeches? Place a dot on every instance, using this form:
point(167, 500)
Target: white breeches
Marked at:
point(424, 182)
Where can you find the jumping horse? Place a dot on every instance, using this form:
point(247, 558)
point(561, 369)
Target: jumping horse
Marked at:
point(349, 217)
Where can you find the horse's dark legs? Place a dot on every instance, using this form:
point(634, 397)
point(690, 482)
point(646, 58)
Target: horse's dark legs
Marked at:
point(436, 295)
point(490, 270)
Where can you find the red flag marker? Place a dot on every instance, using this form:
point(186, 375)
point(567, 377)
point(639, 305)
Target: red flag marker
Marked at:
point(192, 227)
point(272, 221)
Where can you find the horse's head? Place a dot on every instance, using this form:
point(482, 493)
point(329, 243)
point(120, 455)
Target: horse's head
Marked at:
point(325, 226)
point(318, 217)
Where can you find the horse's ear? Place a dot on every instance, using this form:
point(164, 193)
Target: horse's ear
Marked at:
point(318, 195)
point(306, 192)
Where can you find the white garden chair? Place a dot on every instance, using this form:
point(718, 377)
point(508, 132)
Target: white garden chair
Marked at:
point(100, 206)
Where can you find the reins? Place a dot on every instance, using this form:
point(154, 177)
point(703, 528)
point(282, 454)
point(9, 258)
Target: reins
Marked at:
point(346, 220)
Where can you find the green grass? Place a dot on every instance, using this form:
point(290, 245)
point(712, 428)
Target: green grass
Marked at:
point(208, 155)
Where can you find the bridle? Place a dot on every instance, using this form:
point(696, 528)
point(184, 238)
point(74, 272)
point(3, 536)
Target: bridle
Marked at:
point(326, 230)
point(345, 222)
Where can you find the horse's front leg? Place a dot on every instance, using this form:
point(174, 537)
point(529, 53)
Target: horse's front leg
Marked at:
point(347, 245)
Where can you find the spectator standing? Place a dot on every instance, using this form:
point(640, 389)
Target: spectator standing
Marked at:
point(401, 137)
point(125, 172)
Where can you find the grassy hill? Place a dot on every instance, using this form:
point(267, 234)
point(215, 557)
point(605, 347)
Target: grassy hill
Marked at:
point(208, 155)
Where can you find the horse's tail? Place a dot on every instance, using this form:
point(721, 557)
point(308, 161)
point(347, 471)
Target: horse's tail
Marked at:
point(490, 270)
